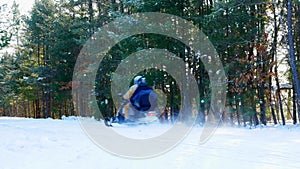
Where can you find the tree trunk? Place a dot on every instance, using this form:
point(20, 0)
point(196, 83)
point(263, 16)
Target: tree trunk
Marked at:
point(200, 7)
point(277, 108)
point(273, 51)
point(231, 115)
point(10, 110)
point(211, 3)
point(298, 34)
point(243, 109)
point(292, 55)
point(91, 17)
point(279, 96)
point(201, 95)
point(261, 88)
point(255, 118)
point(294, 107)
point(37, 107)
point(121, 6)
point(262, 105)
point(17, 110)
point(28, 109)
point(34, 109)
point(47, 104)
point(2, 111)
point(237, 109)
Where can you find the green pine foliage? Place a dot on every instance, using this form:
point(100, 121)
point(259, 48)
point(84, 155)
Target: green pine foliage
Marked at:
point(36, 81)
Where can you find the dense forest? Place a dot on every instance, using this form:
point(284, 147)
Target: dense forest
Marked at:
point(253, 39)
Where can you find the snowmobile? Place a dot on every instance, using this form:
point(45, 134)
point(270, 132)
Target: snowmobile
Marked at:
point(135, 117)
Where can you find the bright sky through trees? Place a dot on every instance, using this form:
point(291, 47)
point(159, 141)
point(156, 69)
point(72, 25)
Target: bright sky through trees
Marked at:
point(24, 5)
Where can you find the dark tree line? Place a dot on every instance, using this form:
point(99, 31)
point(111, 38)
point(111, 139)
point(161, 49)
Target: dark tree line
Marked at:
point(252, 38)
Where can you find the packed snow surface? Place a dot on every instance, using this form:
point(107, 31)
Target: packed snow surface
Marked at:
point(63, 144)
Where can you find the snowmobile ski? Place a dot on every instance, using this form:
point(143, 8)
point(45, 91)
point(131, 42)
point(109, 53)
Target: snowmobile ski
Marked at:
point(120, 120)
point(107, 122)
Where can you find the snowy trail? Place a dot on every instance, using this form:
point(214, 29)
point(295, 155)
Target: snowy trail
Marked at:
point(62, 144)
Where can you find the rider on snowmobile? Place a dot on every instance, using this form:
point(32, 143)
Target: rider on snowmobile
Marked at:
point(138, 97)
point(139, 104)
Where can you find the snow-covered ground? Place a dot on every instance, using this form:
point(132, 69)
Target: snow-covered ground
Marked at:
point(62, 144)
